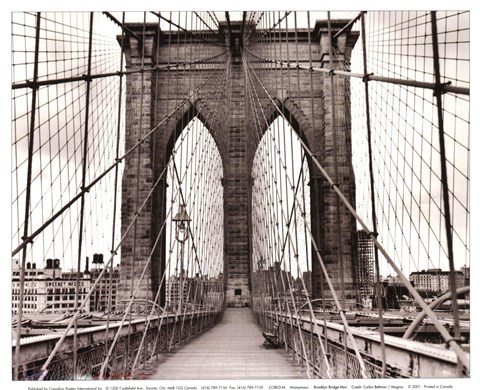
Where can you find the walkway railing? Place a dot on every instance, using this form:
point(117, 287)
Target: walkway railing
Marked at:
point(163, 335)
point(406, 358)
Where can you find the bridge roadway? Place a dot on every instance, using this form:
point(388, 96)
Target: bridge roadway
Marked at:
point(231, 350)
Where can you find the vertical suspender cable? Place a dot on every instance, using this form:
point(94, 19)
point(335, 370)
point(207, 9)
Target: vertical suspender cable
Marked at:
point(335, 297)
point(190, 180)
point(115, 189)
point(82, 200)
point(275, 221)
point(157, 299)
point(27, 196)
point(443, 164)
point(303, 161)
point(372, 197)
point(183, 133)
point(166, 271)
point(179, 281)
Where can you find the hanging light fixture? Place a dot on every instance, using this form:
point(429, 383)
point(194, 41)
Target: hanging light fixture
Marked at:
point(181, 220)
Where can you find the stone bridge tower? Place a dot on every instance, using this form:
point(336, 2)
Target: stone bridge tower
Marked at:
point(163, 89)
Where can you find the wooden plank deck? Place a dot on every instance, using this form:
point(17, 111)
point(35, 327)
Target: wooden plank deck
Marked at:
point(231, 350)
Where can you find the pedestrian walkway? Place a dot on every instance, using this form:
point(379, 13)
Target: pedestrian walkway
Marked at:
point(231, 350)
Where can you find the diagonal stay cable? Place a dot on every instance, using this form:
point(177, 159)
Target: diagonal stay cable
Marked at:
point(29, 239)
point(251, 31)
point(327, 278)
point(266, 32)
point(317, 331)
point(114, 252)
point(132, 299)
point(449, 340)
point(183, 29)
point(97, 281)
point(123, 26)
point(274, 221)
point(205, 23)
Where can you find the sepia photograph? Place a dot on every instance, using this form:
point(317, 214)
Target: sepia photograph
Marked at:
point(240, 195)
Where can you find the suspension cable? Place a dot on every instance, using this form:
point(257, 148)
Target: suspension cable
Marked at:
point(87, 188)
point(442, 88)
point(27, 199)
point(372, 199)
point(448, 339)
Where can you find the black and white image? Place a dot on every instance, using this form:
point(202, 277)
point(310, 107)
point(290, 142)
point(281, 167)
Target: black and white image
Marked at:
point(236, 195)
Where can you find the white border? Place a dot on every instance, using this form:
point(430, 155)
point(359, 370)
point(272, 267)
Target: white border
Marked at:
point(139, 5)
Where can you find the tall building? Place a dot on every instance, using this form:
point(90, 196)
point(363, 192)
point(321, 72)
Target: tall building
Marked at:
point(47, 290)
point(52, 290)
point(105, 294)
point(365, 264)
point(99, 300)
point(466, 273)
point(307, 279)
point(174, 288)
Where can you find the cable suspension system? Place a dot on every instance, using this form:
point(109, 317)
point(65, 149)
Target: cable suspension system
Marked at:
point(321, 159)
point(268, 72)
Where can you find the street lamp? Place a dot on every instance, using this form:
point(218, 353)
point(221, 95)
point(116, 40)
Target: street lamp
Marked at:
point(181, 220)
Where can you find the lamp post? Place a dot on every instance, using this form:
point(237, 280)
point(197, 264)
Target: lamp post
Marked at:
point(181, 220)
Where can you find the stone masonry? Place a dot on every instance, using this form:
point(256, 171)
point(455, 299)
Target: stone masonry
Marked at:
point(305, 99)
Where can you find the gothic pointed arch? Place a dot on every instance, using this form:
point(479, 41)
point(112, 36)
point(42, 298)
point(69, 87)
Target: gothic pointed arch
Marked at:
point(194, 108)
point(296, 118)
